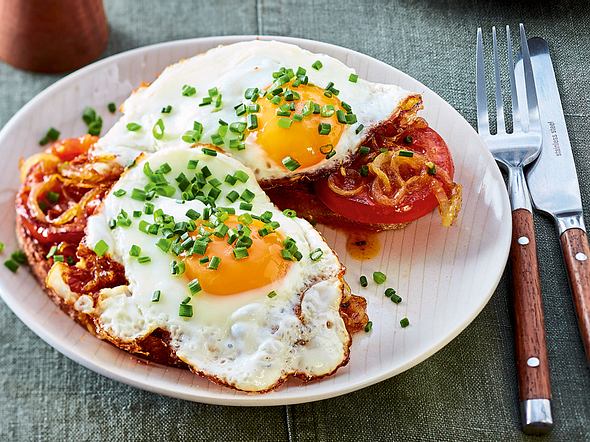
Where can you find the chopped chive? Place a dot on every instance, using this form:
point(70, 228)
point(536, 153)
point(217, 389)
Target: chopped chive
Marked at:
point(405, 153)
point(330, 154)
point(316, 254)
point(327, 110)
point(368, 327)
point(252, 121)
point(194, 286)
point(156, 296)
point(210, 152)
point(158, 129)
point(204, 260)
point(51, 252)
point(206, 101)
point(58, 258)
point(431, 168)
point(364, 170)
point(217, 140)
point(364, 150)
point(238, 127)
point(166, 109)
point(2, 246)
point(289, 213)
point(52, 197)
point(324, 128)
point(396, 298)
point(404, 322)
point(133, 127)
point(185, 310)
point(317, 65)
point(241, 176)
point(230, 179)
point(11, 265)
point(272, 294)
point(240, 252)
point(214, 263)
point(341, 116)
point(192, 164)
point(359, 129)
point(144, 259)
point(284, 123)
point(119, 192)
point(233, 196)
point(250, 92)
point(350, 118)
point(379, 277)
point(290, 163)
point(363, 280)
point(245, 206)
point(112, 107)
point(100, 248)
point(188, 91)
point(353, 78)
point(138, 194)
point(164, 244)
point(193, 214)
point(19, 256)
point(135, 250)
point(247, 195)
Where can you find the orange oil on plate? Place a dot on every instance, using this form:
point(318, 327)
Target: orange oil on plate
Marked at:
point(363, 245)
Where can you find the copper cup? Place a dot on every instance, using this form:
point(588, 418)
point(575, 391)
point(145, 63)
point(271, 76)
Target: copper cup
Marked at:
point(52, 35)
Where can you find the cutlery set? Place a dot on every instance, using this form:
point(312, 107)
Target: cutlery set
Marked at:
point(537, 156)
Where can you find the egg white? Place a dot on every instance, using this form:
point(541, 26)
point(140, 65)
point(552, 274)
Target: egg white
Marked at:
point(247, 340)
point(233, 69)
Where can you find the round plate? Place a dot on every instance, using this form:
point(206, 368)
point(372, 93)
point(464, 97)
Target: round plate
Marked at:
point(444, 275)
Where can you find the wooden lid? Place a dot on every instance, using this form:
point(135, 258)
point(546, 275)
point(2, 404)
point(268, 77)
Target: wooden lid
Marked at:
point(52, 35)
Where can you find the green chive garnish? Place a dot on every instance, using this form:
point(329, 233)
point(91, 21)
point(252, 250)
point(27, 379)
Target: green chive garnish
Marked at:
point(188, 91)
point(194, 286)
point(324, 128)
point(272, 294)
point(369, 326)
point(133, 127)
point(359, 129)
point(363, 280)
point(316, 254)
point(353, 78)
point(101, 248)
point(156, 296)
point(167, 109)
point(119, 192)
point(185, 310)
point(158, 129)
point(404, 322)
point(241, 176)
point(134, 251)
point(317, 65)
point(240, 252)
point(144, 259)
point(289, 213)
point(210, 152)
point(379, 277)
point(405, 153)
point(364, 150)
point(11, 265)
point(214, 263)
point(52, 197)
point(290, 163)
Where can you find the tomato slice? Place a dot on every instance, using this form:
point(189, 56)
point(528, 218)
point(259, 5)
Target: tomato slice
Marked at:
point(364, 209)
point(70, 148)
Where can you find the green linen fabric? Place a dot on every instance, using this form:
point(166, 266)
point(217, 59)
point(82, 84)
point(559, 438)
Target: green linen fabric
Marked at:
point(465, 392)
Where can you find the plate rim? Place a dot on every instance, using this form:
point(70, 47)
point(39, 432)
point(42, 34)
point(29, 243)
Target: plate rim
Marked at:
point(249, 399)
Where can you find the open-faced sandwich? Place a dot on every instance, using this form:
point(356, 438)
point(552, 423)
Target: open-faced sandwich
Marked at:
point(159, 237)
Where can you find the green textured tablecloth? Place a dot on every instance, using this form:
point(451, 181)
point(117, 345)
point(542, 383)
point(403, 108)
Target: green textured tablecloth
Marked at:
point(468, 390)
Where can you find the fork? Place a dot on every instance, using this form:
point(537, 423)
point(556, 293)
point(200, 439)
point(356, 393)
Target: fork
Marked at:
point(513, 151)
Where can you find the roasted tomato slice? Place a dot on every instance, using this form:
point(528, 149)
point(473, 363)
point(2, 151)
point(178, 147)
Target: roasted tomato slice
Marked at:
point(357, 200)
point(70, 148)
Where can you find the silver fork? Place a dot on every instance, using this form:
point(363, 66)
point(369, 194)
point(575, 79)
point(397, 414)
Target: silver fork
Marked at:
point(513, 151)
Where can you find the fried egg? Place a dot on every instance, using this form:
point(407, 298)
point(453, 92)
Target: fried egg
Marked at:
point(281, 110)
point(249, 294)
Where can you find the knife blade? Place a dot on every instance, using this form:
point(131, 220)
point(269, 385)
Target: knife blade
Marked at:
point(553, 182)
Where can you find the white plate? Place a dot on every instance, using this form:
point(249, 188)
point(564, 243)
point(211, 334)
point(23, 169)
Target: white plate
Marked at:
point(445, 276)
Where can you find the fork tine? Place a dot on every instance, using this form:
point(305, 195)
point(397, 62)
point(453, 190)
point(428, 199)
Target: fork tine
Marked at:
point(499, 103)
point(483, 124)
point(531, 91)
point(516, 123)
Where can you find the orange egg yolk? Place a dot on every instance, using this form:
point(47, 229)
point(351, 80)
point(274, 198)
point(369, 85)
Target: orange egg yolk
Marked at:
point(302, 140)
point(263, 265)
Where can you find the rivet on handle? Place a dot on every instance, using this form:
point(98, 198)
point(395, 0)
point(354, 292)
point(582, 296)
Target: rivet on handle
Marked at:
point(523, 241)
point(581, 256)
point(533, 362)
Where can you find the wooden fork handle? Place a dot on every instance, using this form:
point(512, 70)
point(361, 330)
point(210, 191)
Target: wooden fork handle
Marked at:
point(576, 253)
point(531, 350)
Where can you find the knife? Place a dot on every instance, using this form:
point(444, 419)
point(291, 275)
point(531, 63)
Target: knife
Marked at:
point(553, 183)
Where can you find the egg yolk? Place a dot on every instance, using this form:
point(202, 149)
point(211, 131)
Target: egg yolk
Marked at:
point(301, 140)
point(263, 265)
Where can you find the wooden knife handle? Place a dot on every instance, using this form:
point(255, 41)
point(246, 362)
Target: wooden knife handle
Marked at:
point(531, 350)
point(576, 253)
